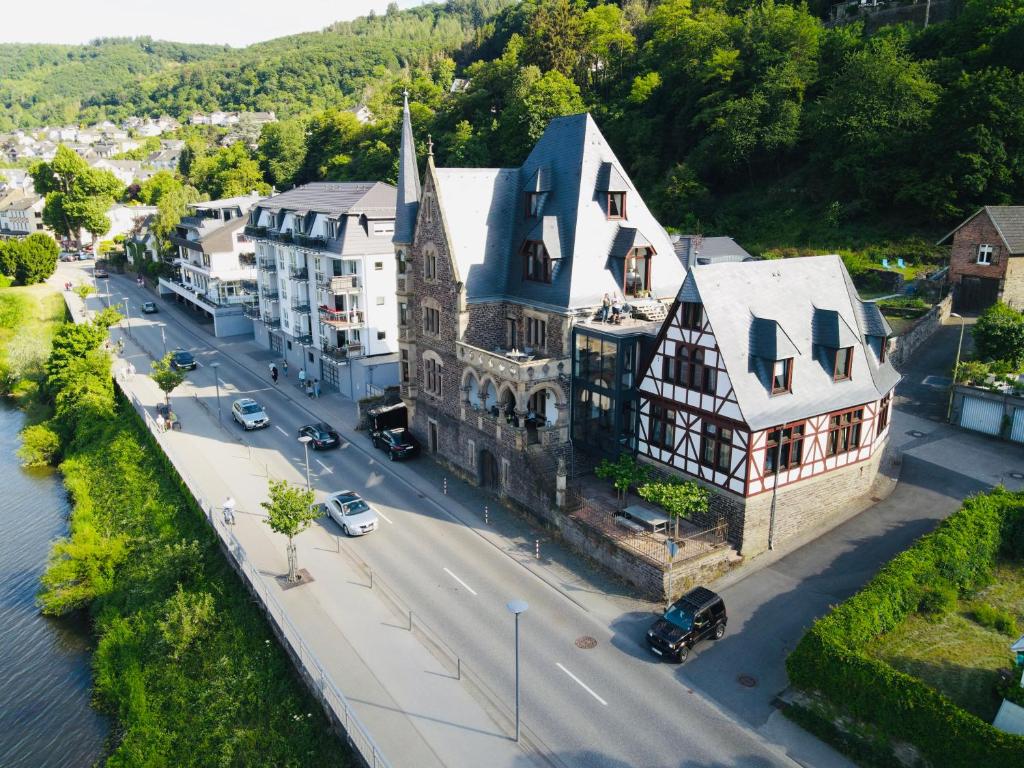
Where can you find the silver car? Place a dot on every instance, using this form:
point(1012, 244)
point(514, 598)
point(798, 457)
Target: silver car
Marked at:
point(249, 414)
point(349, 510)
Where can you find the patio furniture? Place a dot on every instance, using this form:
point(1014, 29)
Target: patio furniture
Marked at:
point(655, 520)
point(625, 522)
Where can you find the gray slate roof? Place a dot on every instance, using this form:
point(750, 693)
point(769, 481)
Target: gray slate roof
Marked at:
point(375, 199)
point(1008, 221)
point(693, 250)
point(769, 310)
point(483, 212)
point(408, 202)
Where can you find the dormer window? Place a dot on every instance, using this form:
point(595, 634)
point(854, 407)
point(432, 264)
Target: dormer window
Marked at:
point(693, 315)
point(842, 363)
point(782, 376)
point(536, 262)
point(637, 282)
point(532, 205)
point(616, 205)
point(985, 254)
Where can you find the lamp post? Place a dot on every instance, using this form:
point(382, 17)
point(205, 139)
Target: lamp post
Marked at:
point(127, 315)
point(956, 365)
point(216, 382)
point(517, 607)
point(305, 440)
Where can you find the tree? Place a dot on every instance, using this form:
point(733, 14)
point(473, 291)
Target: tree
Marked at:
point(999, 335)
point(679, 499)
point(37, 258)
point(166, 376)
point(535, 101)
point(230, 172)
point(625, 472)
point(84, 291)
point(282, 150)
point(77, 196)
point(290, 511)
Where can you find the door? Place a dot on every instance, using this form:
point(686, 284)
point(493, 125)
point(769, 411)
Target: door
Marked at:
point(432, 437)
point(982, 415)
point(976, 293)
point(1017, 430)
point(489, 476)
point(702, 625)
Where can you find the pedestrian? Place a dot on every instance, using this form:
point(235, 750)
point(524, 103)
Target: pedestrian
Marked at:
point(284, 367)
point(309, 389)
point(229, 510)
point(302, 379)
point(172, 419)
point(160, 423)
point(131, 371)
point(606, 307)
point(316, 388)
point(273, 373)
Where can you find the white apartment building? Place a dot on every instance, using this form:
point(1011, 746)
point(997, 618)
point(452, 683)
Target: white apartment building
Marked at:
point(21, 215)
point(326, 282)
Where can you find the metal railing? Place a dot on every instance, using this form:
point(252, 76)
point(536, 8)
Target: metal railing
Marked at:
point(301, 306)
point(268, 265)
point(298, 273)
point(342, 353)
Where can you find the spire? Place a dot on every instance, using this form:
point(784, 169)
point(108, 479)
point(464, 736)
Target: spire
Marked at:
point(408, 200)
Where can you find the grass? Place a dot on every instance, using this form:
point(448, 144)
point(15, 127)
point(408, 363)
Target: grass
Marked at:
point(29, 316)
point(955, 655)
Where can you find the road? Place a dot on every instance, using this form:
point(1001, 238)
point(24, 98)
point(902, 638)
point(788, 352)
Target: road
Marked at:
point(610, 705)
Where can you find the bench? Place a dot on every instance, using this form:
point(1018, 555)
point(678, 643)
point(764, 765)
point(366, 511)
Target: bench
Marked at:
point(625, 522)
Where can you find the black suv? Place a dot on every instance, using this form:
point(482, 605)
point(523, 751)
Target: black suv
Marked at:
point(696, 616)
point(182, 360)
point(398, 442)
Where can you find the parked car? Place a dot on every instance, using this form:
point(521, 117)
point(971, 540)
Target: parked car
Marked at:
point(398, 442)
point(321, 435)
point(68, 256)
point(249, 414)
point(100, 273)
point(149, 308)
point(182, 359)
point(696, 616)
point(349, 510)
point(84, 255)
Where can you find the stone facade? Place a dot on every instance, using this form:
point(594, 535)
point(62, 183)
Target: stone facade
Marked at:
point(963, 256)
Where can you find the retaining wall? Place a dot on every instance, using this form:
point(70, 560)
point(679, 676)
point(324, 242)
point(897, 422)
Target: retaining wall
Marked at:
point(904, 345)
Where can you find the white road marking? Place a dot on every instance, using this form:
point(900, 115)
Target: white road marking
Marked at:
point(384, 516)
point(327, 470)
point(460, 581)
point(278, 428)
point(582, 685)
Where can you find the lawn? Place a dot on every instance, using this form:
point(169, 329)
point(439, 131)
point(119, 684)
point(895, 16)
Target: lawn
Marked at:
point(28, 318)
point(954, 654)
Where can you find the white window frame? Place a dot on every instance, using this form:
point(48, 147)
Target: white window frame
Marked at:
point(985, 253)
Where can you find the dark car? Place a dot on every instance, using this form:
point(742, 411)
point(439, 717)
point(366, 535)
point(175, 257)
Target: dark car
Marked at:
point(182, 360)
point(696, 616)
point(398, 442)
point(321, 436)
point(149, 307)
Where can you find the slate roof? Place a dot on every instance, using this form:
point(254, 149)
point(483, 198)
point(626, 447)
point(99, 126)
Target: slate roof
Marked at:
point(375, 199)
point(1008, 221)
point(483, 212)
point(769, 310)
point(215, 239)
point(408, 202)
point(693, 250)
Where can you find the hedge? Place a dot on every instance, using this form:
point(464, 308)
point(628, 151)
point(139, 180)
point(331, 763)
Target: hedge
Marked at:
point(830, 659)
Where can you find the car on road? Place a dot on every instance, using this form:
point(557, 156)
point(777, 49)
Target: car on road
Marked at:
point(183, 360)
point(84, 255)
point(321, 435)
point(249, 414)
point(149, 307)
point(349, 510)
point(398, 443)
point(100, 273)
point(67, 256)
point(696, 616)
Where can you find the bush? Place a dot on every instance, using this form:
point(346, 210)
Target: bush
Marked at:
point(995, 618)
point(938, 601)
point(40, 445)
point(999, 335)
point(971, 372)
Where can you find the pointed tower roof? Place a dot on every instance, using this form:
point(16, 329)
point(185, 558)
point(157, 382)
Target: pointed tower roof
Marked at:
point(408, 202)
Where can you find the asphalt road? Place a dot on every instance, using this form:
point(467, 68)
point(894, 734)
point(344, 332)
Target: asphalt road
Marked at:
point(613, 705)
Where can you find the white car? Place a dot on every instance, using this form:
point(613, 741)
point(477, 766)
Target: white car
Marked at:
point(249, 414)
point(349, 510)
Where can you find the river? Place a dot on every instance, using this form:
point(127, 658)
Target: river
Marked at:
point(45, 717)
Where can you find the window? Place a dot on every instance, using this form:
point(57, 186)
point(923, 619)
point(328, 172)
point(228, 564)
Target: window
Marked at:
point(637, 281)
point(782, 376)
point(883, 413)
point(985, 254)
point(430, 263)
point(428, 209)
point(431, 320)
point(511, 332)
point(536, 264)
point(533, 204)
point(702, 377)
point(332, 229)
point(403, 314)
point(432, 376)
point(693, 315)
point(716, 446)
point(663, 427)
point(616, 205)
point(378, 266)
point(842, 363)
point(844, 431)
point(400, 257)
point(405, 366)
point(383, 227)
point(380, 301)
point(791, 451)
point(536, 332)
point(381, 335)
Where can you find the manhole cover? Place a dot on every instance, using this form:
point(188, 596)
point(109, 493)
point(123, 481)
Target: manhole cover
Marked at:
point(585, 642)
point(747, 681)
point(915, 433)
point(1017, 475)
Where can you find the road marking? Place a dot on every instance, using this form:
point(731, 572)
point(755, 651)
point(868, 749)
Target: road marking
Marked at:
point(386, 518)
point(327, 470)
point(582, 685)
point(278, 428)
point(460, 581)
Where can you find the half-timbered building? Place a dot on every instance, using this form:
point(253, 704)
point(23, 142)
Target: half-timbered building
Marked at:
point(769, 384)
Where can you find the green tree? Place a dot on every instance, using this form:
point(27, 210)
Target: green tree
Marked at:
point(535, 101)
point(555, 36)
point(77, 196)
point(229, 172)
point(290, 511)
point(166, 376)
point(282, 150)
point(8, 257)
point(999, 335)
point(72, 341)
point(84, 291)
point(679, 499)
point(625, 472)
point(37, 258)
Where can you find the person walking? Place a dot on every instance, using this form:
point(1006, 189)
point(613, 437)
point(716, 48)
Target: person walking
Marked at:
point(302, 379)
point(316, 388)
point(160, 423)
point(273, 373)
point(606, 307)
point(284, 367)
point(131, 371)
point(309, 389)
point(229, 510)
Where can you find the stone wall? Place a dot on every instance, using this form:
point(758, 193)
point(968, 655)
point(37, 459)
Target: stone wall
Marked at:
point(904, 345)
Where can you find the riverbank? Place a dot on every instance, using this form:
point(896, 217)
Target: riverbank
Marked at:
point(184, 662)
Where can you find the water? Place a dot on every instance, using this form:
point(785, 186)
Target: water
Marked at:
point(45, 717)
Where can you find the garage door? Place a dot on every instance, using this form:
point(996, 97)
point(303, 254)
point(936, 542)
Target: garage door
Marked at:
point(982, 415)
point(974, 294)
point(1017, 432)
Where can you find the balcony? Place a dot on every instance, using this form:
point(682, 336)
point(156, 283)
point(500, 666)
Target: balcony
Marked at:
point(301, 306)
point(306, 241)
point(252, 231)
point(252, 311)
point(305, 339)
point(298, 273)
point(267, 265)
point(341, 354)
point(512, 366)
point(339, 283)
point(342, 319)
point(271, 322)
point(269, 293)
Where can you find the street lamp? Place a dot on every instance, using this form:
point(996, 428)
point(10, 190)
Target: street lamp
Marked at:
point(127, 315)
point(956, 365)
point(517, 607)
point(305, 440)
point(216, 382)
